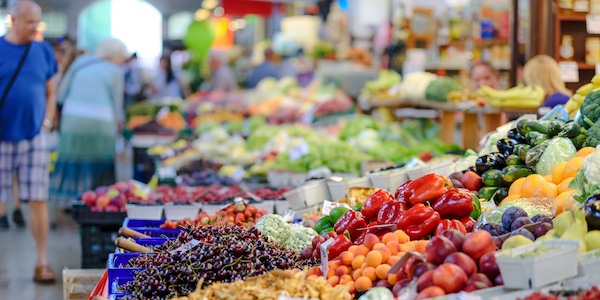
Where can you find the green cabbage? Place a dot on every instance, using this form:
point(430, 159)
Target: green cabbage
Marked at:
point(558, 150)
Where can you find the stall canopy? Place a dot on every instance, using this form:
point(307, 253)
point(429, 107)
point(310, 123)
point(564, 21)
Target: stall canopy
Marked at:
point(247, 7)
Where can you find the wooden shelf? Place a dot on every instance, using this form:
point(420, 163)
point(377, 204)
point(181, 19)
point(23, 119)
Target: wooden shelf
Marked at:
point(572, 17)
point(584, 66)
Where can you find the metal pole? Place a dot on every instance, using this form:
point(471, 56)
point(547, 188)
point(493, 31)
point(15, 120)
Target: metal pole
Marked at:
point(514, 42)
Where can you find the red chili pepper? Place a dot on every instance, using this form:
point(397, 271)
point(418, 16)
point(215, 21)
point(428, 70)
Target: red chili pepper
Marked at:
point(454, 204)
point(419, 221)
point(469, 223)
point(390, 212)
point(374, 203)
point(428, 188)
point(340, 244)
point(351, 221)
point(450, 224)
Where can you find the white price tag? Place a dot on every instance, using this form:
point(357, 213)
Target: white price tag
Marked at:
point(324, 256)
point(166, 172)
point(569, 71)
point(329, 205)
point(592, 24)
point(598, 68)
point(186, 247)
point(162, 112)
point(238, 174)
point(299, 151)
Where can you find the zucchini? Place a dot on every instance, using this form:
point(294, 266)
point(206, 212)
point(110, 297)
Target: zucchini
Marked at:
point(525, 126)
point(492, 177)
point(535, 138)
point(514, 160)
point(499, 195)
point(521, 150)
point(486, 192)
point(570, 130)
point(512, 173)
point(554, 127)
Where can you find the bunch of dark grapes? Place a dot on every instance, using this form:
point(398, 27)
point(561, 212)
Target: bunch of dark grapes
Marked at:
point(223, 254)
point(198, 165)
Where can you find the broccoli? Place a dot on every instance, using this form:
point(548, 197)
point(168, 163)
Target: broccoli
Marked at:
point(590, 109)
point(593, 136)
point(438, 89)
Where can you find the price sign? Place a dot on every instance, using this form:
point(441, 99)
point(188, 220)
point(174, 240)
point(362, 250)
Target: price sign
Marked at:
point(166, 172)
point(186, 247)
point(324, 256)
point(329, 205)
point(569, 71)
point(592, 24)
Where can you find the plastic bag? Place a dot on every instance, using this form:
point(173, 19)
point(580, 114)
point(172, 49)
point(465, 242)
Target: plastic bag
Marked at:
point(558, 150)
point(533, 206)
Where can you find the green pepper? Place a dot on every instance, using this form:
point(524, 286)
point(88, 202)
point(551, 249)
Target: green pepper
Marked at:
point(487, 192)
point(324, 222)
point(357, 207)
point(476, 207)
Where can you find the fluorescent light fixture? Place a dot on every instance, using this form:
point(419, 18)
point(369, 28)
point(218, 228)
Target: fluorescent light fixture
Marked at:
point(219, 11)
point(202, 14)
point(210, 4)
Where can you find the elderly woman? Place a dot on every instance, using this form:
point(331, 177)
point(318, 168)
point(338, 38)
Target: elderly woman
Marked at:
point(91, 95)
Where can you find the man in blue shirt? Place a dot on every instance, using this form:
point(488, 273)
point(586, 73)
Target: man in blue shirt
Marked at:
point(264, 70)
point(27, 107)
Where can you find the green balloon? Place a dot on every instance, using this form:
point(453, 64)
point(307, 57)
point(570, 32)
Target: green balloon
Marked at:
point(199, 37)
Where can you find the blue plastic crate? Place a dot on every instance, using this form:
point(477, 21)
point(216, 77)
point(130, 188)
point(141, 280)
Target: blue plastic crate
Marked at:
point(118, 296)
point(113, 287)
point(150, 242)
point(117, 266)
point(131, 223)
point(159, 232)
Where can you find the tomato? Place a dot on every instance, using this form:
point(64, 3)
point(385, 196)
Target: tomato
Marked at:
point(450, 277)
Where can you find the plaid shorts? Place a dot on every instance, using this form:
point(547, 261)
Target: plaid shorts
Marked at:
point(28, 160)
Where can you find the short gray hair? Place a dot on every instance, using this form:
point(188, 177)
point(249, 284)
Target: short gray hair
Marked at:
point(23, 5)
point(111, 47)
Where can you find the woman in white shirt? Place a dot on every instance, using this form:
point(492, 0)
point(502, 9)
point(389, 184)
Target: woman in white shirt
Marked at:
point(166, 83)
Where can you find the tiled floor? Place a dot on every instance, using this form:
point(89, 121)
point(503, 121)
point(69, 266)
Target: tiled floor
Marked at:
point(17, 259)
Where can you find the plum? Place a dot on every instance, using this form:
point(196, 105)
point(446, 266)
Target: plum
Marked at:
point(510, 215)
point(541, 218)
point(541, 229)
point(524, 232)
point(520, 222)
point(494, 229)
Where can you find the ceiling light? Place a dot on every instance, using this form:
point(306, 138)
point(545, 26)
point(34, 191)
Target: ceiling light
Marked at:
point(219, 11)
point(202, 14)
point(209, 4)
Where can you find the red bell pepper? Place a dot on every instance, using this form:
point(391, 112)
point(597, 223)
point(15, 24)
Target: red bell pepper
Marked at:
point(469, 223)
point(390, 212)
point(419, 221)
point(454, 204)
point(340, 244)
point(374, 203)
point(450, 224)
point(428, 188)
point(351, 221)
point(402, 193)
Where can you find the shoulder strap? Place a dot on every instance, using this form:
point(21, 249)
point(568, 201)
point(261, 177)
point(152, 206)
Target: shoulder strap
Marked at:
point(14, 76)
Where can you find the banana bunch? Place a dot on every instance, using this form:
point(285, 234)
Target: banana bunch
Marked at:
point(380, 87)
point(573, 105)
point(518, 97)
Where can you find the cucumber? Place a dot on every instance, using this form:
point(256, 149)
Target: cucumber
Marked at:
point(486, 192)
point(570, 130)
point(512, 173)
point(554, 127)
point(514, 160)
point(525, 126)
point(535, 138)
point(521, 150)
point(492, 177)
point(499, 195)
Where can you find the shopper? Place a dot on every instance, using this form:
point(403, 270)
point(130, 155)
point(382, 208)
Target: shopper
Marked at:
point(27, 106)
point(167, 83)
point(133, 81)
point(221, 75)
point(484, 74)
point(266, 69)
point(92, 98)
point(543, 70)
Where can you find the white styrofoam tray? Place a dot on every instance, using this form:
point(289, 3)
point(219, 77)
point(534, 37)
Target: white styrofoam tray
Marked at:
point(144, 212)
point(589, 263)
point(417, 172)
point(180, 212)
point(339, 189)
point(309, 194)
point(389, 180)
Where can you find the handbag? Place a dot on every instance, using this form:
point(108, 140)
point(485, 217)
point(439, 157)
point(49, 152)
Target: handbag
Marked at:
point(14, 76)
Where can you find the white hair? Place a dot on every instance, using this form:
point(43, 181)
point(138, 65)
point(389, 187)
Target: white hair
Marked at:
point(111, 48)
point(23, 5)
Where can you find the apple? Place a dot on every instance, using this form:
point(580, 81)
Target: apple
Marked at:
point(383, 283)
point(430, 292)
point(423, 267)
point(438, 248)
point(488, 265)
point(118, 201)
point(498, 280)
point(111, 208)
point(120, 186)
point(102, 201)
point(128, 193)
point(123, 209)
point(96, 208)
point(400, 285)
point(101, 190)
point(478, 243)
point(455, 236)
point(450, 277)
point(89, 198)
point(480, 277)
point(474, 286)
point(463, 261)
point(425, 280)
point(112, 192)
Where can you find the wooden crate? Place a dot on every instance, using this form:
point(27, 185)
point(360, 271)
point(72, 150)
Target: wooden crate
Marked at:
point(78, 284)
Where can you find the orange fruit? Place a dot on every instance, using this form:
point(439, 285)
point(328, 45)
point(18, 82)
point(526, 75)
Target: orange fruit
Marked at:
point(364, 266)
point(385, 253)
point(392, 278)
point(573, 166)
point(381, 271)
point(393, 259)
point(356, 274)
point(352, 249)
point(341, 270)
point(335, 263)
point(402, 236)
point(585, 151)
point(346, 258)
point(569, 201)
point(363, 283)
point(558, 172)
point(564, 185)
point(548, 177)
point(371, 240)
point(531, 183)
point(420, 245)
point(515, 187)
point(509, 198)
point(393, 246)
point(405, 248)
point(351, 288)
point(369, 272)
point(388, 237)
point(330, 272)
point(546, 189)
point(378, 246)
point(345, 279)
point(374, 258)
point(334, 280)
point(560, 200)
point(361, 250)
point(358, 261)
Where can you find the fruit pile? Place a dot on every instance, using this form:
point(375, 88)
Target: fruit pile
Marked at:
point(173, 121)
point(361, 267)
point(513, 220)
point(200, 164)
point(453, 263)
point(214, 254)
point(237, 214)
point(112, 198)
point(206, 178)
point(579, 294)
point(212, 194)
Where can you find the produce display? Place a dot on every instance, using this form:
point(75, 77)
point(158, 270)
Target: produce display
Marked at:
point(113, 198)
point(519, 96)
point(579, 294)
point(239, 214)
point(573, 105)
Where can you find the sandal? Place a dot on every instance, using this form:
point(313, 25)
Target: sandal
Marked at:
point(43, 274)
